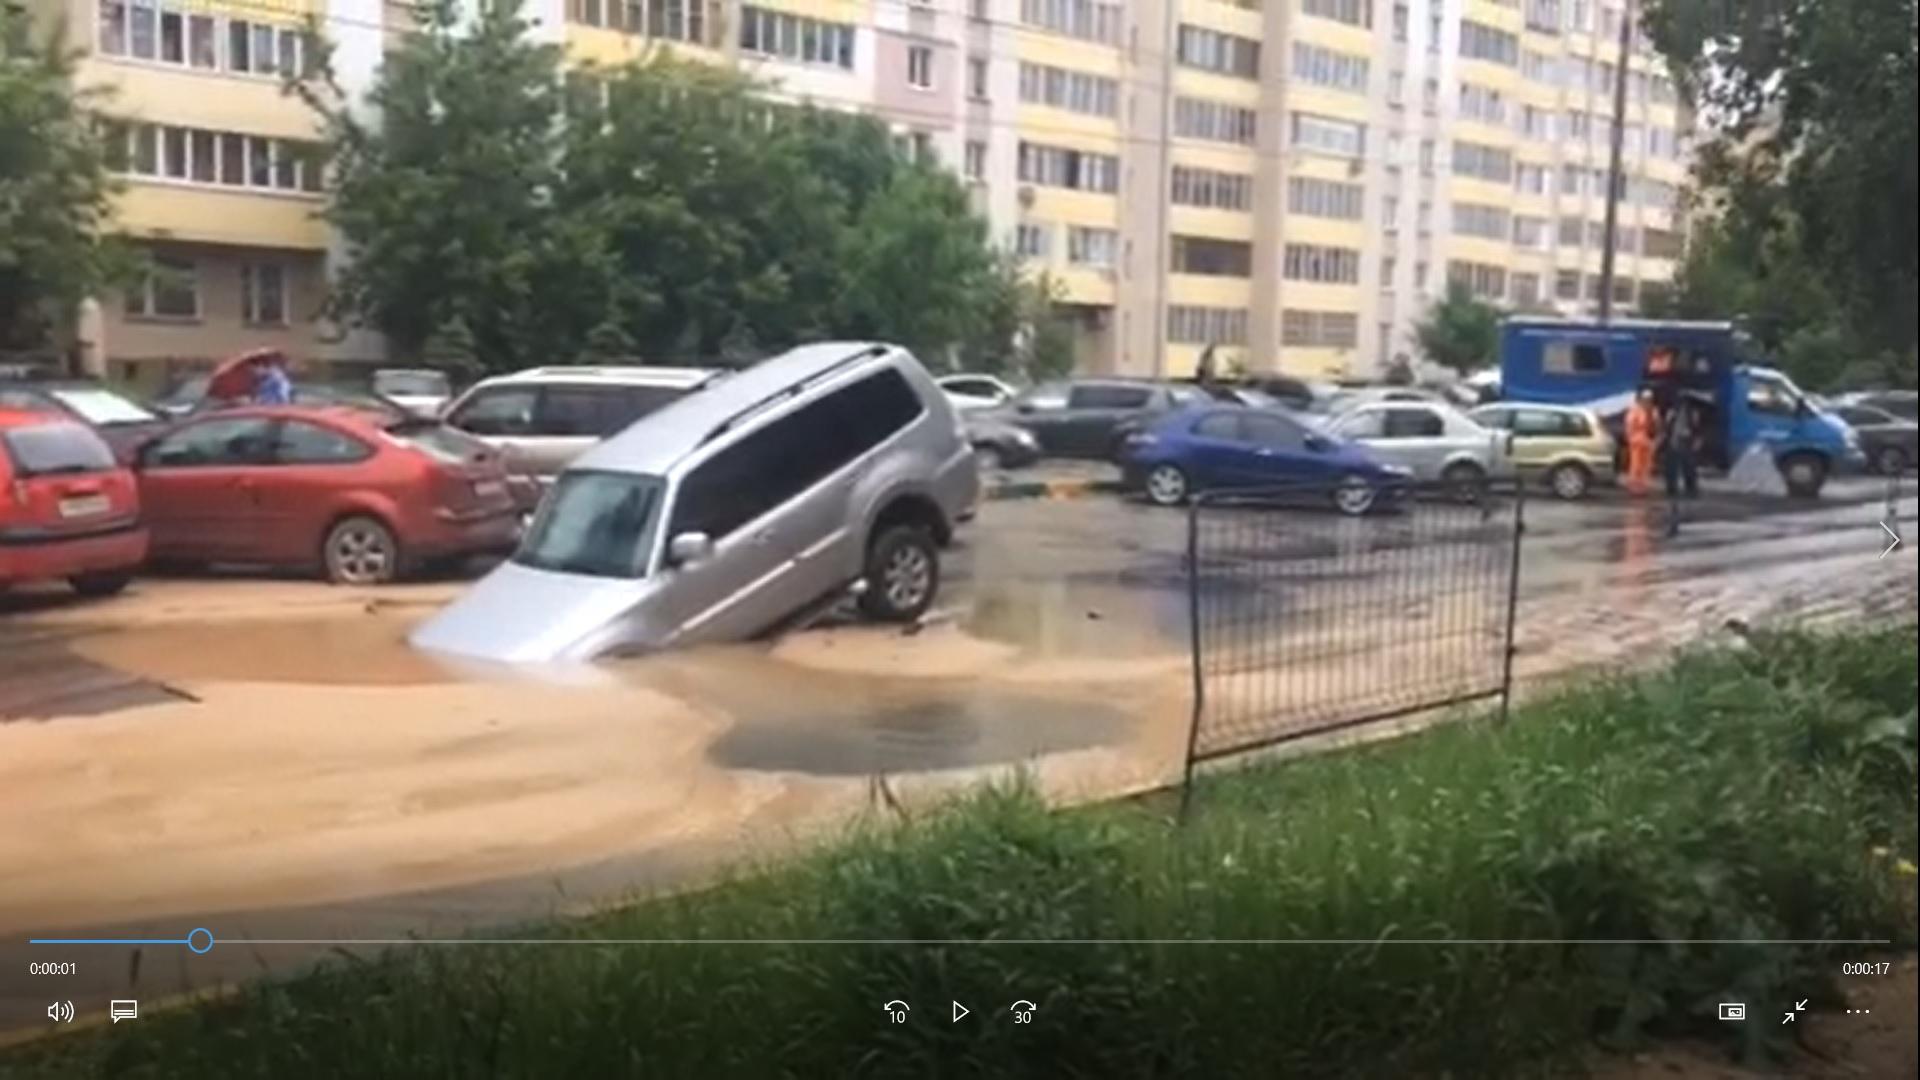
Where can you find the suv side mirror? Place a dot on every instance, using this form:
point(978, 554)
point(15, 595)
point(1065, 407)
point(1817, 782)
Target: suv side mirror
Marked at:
point(688, 548)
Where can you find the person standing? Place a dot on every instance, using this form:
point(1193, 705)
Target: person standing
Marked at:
point(1643, 438)
point(271, 386)
point(1680, 448)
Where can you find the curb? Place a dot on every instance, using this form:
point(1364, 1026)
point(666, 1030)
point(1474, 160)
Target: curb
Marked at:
point(1051, 489)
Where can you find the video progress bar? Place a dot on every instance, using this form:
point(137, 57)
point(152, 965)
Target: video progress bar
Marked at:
point(200, 944)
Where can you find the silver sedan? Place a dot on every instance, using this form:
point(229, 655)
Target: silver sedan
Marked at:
point(1433, 441)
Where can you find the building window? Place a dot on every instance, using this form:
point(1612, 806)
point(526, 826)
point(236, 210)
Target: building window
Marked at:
point(686, 20)
point(1351, 12)
point(1530, 232)
point(1400, 20)
point(1030, 240)
point(1075, 91)
point(1319, 329)
point(1222, 54)
point(1482, 162)
point(170, 290)
point(1210, 257)
point(1087, 246)
point(1326, 67)
point(203, 42)
point(1526, 289)
point(1322, 264)
point(113, 27)
point(1193, 325)
point(221, 158)
point(1330, 136)
point(1481, 42)
point(1483, 103)
point(1324, 198)
point(1486, 222)
point(1211, 189)
point(976, 159)
point(802, 40)
point(977, 78)
point(1058, 166)
point(263, 293)
point(1481, 279)
point(1088, 20)
point(920, 67)
point(1214, 121)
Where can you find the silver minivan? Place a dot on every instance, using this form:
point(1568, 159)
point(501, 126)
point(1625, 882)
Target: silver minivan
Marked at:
point(542, 418)
point(828, 467)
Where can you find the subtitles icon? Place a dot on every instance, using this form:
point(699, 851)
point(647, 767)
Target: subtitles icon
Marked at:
point(123, 1009)
point(1733, 1010)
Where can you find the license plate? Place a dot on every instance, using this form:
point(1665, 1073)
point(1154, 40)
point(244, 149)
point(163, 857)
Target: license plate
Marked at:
point(83, 506)
point(487, 489)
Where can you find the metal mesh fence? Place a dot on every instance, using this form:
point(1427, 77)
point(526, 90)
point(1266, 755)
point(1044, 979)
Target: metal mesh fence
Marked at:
point(1308, 617)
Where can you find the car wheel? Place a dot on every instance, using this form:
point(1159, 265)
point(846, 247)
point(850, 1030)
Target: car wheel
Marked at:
point(1167, 485)
point(1805, 475)
point(1465, 481)
point(903, 575)
point(360, 550)
point(1354, 496)
point(103, 584)
point(988, 458)
point(1570, 480)
point(1890, 461)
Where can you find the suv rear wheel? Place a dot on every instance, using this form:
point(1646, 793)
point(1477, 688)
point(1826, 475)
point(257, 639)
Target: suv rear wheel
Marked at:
point(903, 575)
point(99, 584)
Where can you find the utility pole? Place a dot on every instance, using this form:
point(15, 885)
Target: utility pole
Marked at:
point(1614, 178)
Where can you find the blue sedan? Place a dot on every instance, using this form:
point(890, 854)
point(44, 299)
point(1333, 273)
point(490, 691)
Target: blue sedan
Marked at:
point(1220, 448)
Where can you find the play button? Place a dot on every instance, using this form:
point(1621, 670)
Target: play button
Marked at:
point(959, 1011)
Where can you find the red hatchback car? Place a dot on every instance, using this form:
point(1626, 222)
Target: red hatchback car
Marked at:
point(67, 508)
point(363, 496)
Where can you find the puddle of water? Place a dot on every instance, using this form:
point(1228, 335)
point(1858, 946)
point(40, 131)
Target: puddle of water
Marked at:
point(854, 723)
point(1080, 618)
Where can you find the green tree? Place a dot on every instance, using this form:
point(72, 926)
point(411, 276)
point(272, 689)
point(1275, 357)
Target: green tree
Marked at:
point(1809, 183)
point(447, 204)
point(1460, 330)
point(55, 191)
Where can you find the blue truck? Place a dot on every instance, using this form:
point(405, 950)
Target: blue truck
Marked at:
point(1745, 408)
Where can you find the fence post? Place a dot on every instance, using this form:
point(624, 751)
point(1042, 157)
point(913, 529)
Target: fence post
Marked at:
point(1193, 650)
point(1513, 597)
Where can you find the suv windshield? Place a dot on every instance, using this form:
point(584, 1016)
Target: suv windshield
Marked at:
point(599, 523)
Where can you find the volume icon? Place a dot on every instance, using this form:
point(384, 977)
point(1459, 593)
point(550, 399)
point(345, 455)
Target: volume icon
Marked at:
point(60, 1012)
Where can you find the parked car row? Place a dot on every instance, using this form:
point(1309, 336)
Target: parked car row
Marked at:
point(360, 496)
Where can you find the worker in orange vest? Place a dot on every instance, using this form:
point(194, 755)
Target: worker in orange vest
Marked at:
point(1643, 437)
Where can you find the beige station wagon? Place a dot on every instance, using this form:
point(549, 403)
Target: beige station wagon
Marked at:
point(1568, 447)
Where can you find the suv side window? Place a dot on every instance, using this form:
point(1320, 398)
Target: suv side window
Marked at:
point(1108, 396)
point(779, 461)
point(1044, 396)
point(1538, 423)
point(1496, 419)
point(1767, 396)
point(301, 443)
point(972, 387)
point(241, 440)
point(576, 411)
point(498, 410)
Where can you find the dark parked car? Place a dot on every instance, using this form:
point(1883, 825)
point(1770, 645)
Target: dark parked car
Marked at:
point(121, 421)
point(1000, 445)
point(1091, 418)
point(1888, 441)
point(1226, 447)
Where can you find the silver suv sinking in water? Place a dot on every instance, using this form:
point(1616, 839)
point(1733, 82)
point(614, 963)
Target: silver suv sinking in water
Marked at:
point(730, 510)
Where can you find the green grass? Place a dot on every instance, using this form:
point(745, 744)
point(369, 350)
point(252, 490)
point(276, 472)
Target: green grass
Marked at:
point(1737, 794)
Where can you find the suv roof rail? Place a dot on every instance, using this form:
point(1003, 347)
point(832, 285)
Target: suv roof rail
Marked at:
point(792, 390)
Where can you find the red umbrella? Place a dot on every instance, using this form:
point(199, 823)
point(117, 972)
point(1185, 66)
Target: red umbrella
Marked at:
point(234, 379)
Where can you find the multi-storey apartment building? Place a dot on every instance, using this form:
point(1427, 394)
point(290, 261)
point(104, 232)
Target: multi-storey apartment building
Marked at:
point(1293, 181)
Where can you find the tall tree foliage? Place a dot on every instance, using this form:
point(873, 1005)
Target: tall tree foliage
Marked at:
point(1809, 190)
point(55, 192)
point(663, 207)
point(1460, 331)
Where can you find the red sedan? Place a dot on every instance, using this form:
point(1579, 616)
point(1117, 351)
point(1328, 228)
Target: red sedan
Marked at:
point(67, 508)
point(363, 496)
